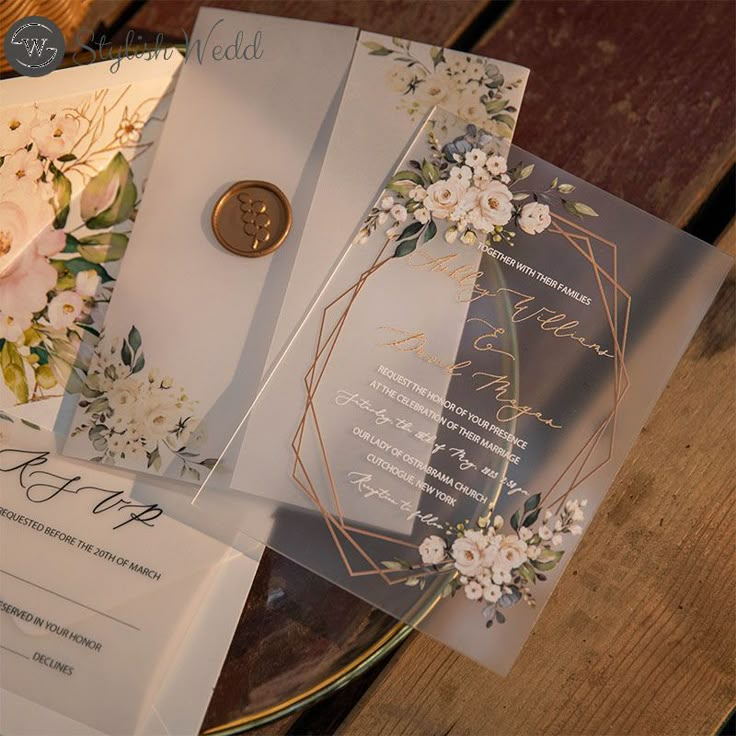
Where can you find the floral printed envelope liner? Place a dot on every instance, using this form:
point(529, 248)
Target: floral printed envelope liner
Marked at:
point(72, 171)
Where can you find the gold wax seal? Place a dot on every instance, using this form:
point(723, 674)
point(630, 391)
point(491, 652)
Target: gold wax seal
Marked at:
point(252, 218)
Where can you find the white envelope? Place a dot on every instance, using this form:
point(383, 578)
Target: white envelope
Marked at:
point(76, 146)
point(204, 319)
point(187, 667)
point(203, 316)
point(392, 87)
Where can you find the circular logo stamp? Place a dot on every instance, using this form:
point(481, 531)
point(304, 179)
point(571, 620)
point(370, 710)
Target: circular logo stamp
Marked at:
point(34, 46)
point(252, 218)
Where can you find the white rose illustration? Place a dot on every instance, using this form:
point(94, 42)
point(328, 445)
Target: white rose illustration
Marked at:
point(444, 196)
point(158, 417)
point(490, 206)
point(496, 165)
point(22, 167)
point(511, 554)
point(468, 556)
point(65, 309)
point(432, 550)
point(399, 78)
point(473, 590)
point(534, 218)
point(123, 398)
point(13, 326)
point(15, 128)
point(25, 273)
point(436, 89)
point(87, 282)
point(55, 137)
point(470, 108)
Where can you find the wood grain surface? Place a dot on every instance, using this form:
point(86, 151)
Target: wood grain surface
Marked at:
point(432, 21)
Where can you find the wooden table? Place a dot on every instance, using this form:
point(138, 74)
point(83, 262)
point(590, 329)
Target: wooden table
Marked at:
point(637, 98)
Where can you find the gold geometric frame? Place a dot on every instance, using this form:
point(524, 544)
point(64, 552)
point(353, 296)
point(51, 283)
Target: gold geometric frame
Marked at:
point(577, 237)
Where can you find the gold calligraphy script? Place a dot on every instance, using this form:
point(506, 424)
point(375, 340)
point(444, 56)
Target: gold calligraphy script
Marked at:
point(465, 276)
point(409, 341)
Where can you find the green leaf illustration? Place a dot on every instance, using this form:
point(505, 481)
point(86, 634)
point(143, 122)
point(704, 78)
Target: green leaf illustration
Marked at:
point(14, 373)
point(103, 247)
point(403, 182)
point(429, 170)
point(62, 194)
point(578, 209)
point(437, 54)
point(515, 521)
point(532, 502)
point(430, 232)
point(376, 49)
point(109, 198)
point(126, 354)
point(410, 230)
point(494, 106)
point(584, 209)
point(134, 338)
point(566, 188)
point(75, 265)
point(405, 248)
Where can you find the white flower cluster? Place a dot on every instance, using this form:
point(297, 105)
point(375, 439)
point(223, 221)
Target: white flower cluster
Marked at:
point(140, 412)
point(488, 560)
point(476, 198)
point(26, 239)
point(461, 85)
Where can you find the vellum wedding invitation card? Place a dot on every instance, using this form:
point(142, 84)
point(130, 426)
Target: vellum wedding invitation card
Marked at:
point(269, 118)
point(108, 604)
point(392, 86)
point(450, 414)
point(188, 330)
point(75, 150)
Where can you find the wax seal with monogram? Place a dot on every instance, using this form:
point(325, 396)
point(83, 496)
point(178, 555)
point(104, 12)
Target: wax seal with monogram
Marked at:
point(252, 218)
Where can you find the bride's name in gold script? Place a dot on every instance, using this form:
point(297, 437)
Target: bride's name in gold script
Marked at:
point(408, 341)
point(523, 305)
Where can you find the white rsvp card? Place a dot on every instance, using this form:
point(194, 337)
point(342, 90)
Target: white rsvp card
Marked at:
point(102, 619)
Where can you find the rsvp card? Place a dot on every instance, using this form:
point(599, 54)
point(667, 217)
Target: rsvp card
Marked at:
point(453, 409)
point(100, 613)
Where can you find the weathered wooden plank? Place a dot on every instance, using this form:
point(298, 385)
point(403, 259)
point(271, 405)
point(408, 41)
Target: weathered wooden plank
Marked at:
point(636, 97)
point(431, 21)
point(638, 637)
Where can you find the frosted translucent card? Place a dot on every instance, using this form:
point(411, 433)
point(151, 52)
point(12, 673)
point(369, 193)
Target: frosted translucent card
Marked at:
point(443, 426)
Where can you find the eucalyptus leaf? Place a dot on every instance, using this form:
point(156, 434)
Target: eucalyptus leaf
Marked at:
point(405, 248)
point(532, 502)
point(134, 338)
point(376, 49)
point(430, 232)
point(584, 209)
